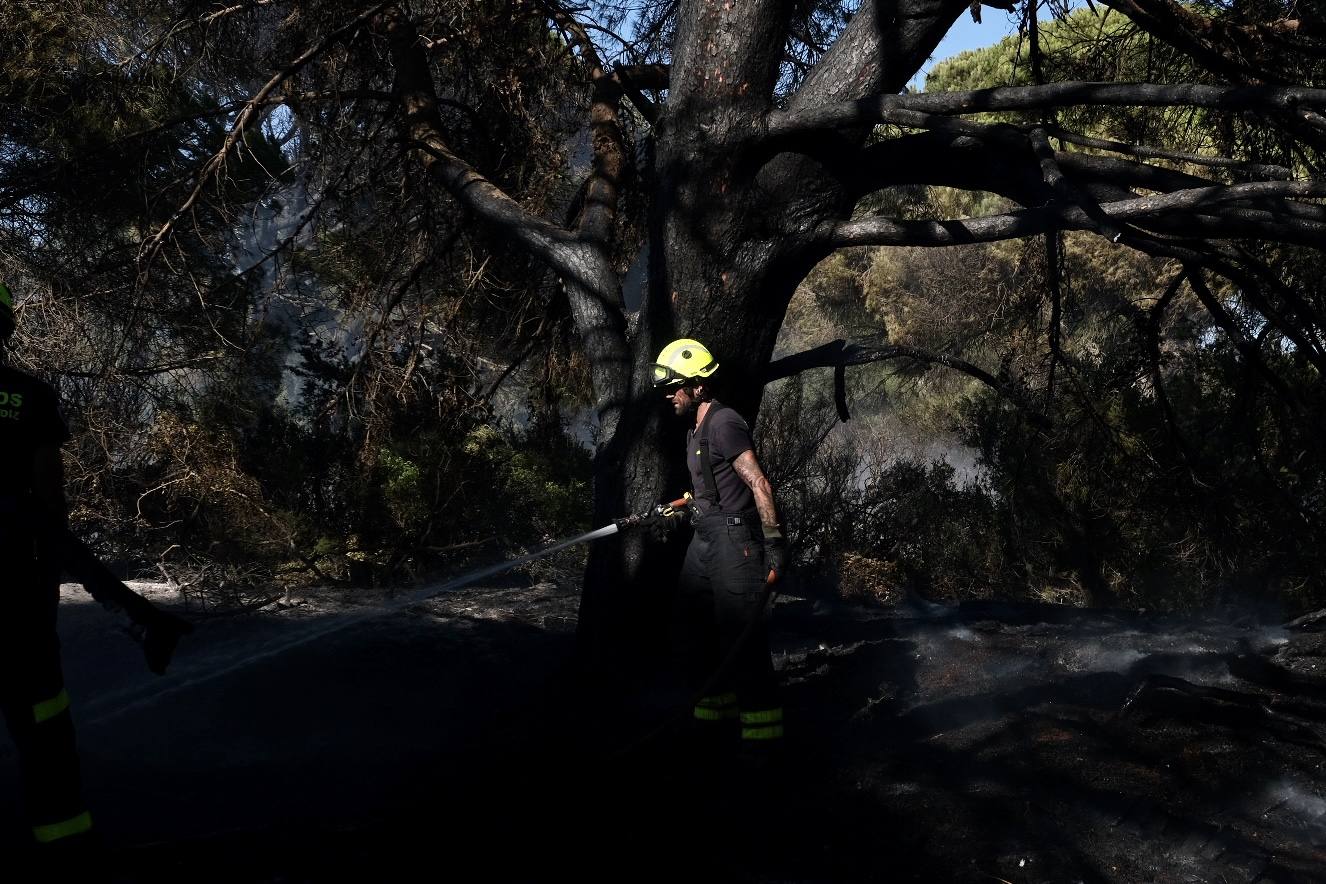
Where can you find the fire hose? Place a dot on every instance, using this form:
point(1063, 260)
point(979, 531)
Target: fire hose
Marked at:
point(118, 705)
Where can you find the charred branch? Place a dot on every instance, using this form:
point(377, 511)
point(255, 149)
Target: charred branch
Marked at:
point(1241, 49)
point(561, 249)
point(1028, 222)
point(1222, 706)
point(883, 45)
point(1021, 166)
point(840, 354)
point(1141, 152)
point(646, 76)
point(1246, 346)
point(939, 158)
point(1297, 101)
point(611, 161)
point(1064, 189)
point(597, 310)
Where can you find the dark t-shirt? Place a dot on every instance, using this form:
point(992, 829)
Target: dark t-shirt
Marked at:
point(728, 437)
point(29, 419)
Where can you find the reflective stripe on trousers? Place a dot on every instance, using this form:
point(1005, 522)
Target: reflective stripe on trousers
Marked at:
point(36, 705)
point(51, 832)
point(762, 724)
point(722, 617)
point(719, 707)
point(48, 709)
point(52, 737)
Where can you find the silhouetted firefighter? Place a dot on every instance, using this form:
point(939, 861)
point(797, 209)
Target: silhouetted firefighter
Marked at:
point(738, 550)
point(36, 544)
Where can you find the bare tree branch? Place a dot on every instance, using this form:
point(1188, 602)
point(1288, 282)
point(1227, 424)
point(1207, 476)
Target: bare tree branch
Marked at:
point(1260, 170)
point(1245, 50)
point(153, 244)
point(840, 353)
point(1027, 222)
point(598, 310)
point(1247, 347)
point(567, 254)
point(645, 76)
point(1054, 177)
point(883, 45)
point(632, 87)
point(1296, 100)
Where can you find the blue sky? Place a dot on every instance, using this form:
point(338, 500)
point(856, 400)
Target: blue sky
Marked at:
point(966, 34)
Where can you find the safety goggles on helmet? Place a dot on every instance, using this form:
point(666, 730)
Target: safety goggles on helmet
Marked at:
point(666, 377)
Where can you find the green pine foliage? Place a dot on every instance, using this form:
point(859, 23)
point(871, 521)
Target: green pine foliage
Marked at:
point(300, 386)
point(1146, 462)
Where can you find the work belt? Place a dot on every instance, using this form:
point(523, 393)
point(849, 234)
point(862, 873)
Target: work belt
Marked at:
point(710, 522)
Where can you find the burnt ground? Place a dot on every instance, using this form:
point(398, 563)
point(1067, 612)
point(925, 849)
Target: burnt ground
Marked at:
point(328, 741)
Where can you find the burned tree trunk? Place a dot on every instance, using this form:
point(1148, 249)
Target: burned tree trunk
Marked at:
point(755, 181)
point(732, 234)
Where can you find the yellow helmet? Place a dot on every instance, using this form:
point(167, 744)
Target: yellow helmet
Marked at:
point(682, 361)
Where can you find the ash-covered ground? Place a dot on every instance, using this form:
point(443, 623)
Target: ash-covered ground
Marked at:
point(340, 737)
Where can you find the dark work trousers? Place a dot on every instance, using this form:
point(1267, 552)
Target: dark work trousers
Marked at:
point(721, 603)
point(33, 697)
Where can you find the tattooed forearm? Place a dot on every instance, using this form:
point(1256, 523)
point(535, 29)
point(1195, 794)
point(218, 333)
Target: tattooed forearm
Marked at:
point(748, 468)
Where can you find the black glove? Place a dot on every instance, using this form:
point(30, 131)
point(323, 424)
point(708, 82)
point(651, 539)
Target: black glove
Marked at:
point(160, 637)
point(661, 521)
point(775, 550)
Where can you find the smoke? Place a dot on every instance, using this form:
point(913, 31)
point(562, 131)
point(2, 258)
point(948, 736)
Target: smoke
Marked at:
point(1097, 657)
point(1293, 798)
point(139, 696)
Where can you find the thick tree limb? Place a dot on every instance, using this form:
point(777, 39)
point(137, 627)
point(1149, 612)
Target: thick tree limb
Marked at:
point(1259, 170)
point(560, 249)
point(598, 310)
point(1064, 189)
point(634, 78)
point(1295, 100)
point(840, 353)
point(938, 158)
point(1027, 222)
point(1007, 144)
point(1112, 178)
point(611, 163)
point(1243, 50)
point(999, 158)
point(883, 45)
point(647, 109)
point(645, 76)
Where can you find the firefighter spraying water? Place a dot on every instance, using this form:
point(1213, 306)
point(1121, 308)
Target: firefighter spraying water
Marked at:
point(116, 705)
